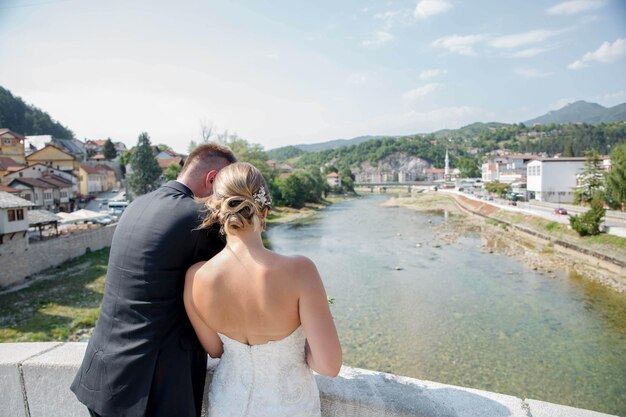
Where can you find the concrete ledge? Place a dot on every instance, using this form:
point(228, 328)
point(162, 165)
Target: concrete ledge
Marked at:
point(35, 380)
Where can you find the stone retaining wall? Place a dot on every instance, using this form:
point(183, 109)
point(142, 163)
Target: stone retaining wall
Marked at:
point(19, 262)
point(35, 380)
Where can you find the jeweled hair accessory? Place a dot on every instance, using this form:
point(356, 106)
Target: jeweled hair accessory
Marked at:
point(262, 198)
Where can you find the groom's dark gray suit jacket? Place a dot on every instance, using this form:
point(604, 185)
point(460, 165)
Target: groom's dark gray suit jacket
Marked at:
point(144, 356)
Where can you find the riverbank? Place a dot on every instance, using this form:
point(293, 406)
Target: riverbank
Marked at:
point(542, 245)
point(282, 214)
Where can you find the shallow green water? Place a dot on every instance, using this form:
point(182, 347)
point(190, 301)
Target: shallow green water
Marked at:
point(459, 315)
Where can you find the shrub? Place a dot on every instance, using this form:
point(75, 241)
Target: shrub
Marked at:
point(588, 223)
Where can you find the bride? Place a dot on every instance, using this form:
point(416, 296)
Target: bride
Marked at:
point(266, 315)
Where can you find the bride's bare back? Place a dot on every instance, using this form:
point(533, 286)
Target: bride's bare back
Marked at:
point(251, 294)
point(258, 296)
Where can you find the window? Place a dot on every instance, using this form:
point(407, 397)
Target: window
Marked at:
point(16, 214)
point(47, 195)
point(7, 142)
point(26, 196)
point(63, 194)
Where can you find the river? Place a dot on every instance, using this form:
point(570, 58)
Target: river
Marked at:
point(457, 314)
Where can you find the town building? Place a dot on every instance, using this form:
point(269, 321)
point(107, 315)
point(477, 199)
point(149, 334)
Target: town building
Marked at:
point(12, 146)
point(72, 146)
point(96, 147)
point(553, 179)
point(13, 222)
point(434, 174)
point(333, 179)
point(110, 181)
point(506, 168)
point(56, 158)
point(91, 180)
point(40, 170)
point(8, 165)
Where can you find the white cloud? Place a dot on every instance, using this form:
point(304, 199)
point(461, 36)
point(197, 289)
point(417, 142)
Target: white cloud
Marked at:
point(431, 73)
point(575, 6)
point(427, 8)
point(421, 92)
point(521, 39)
point(380, 38)
point(606, 53)
point(529, 52)
point(531, 73)
point(459, 44)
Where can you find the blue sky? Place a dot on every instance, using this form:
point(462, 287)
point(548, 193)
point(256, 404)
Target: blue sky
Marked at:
point(287, 72)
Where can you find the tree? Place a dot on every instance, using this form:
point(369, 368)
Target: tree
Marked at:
point(588, 223)
point(591, 178)
point(109, 150)
point(347, 181)
point(497, 187)
point(145, 169)
point(172, 171)
point(124, 160)
point(469, 168)
point(568, 150)
point(206, 131)
point(616, 178)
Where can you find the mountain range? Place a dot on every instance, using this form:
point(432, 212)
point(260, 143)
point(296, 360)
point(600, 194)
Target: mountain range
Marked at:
point(577, 112)
point(584, 112)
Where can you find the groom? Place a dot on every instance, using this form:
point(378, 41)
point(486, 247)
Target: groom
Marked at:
point(144, 358)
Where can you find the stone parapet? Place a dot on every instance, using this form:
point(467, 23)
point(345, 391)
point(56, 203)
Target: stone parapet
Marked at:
point(35, 380)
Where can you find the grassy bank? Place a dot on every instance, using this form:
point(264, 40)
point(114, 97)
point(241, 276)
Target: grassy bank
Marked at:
point(281, 214)
point(56, 305)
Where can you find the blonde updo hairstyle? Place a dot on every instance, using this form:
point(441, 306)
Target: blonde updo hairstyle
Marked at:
point(239, 197)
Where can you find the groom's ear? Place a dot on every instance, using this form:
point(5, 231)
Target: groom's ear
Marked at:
point(208, 180)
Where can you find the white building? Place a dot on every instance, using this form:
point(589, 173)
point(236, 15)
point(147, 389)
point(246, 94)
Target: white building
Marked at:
point(506, 169)
point(13, 218)
point(333, 179)
point(553, 179)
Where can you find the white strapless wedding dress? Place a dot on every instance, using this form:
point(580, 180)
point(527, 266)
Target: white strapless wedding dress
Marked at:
point(268, 380)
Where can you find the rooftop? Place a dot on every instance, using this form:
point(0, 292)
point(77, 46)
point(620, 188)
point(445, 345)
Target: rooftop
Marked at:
point(8, 200)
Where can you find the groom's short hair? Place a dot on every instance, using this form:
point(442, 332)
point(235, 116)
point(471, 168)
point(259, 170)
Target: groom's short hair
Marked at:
point(205, 157)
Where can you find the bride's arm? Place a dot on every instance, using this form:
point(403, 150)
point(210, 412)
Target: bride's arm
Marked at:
point(323, 350)
point(208, 338)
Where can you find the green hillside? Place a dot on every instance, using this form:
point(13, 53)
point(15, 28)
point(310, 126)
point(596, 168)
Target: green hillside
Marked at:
point(26, 119)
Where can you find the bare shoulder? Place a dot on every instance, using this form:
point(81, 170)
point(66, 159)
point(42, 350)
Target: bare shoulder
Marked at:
point(303, 270)
point(302, 263)
point(193, 270)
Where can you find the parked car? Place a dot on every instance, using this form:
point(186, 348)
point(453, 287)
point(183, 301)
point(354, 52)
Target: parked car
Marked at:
point(560, 210)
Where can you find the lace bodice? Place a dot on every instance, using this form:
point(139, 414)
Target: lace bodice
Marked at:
point(271, 379)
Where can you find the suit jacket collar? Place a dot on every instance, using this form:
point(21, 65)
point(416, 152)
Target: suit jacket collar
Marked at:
point(179, 186)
